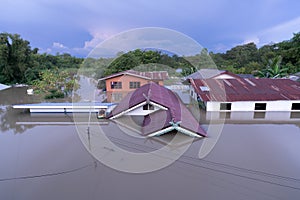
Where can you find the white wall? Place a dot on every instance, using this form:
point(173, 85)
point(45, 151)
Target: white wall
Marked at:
point(192, 90)
point(242, 106)
point(250, 105)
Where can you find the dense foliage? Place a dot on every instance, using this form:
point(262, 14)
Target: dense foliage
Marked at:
point(19, 63)
point(249, 59)
point(138, 57)
point(52, 75)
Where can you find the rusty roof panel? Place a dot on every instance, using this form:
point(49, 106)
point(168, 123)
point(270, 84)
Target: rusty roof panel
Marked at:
point(155, 75)
point(248, 89)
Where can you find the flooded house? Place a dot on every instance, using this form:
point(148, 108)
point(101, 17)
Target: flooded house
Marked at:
point(156, 110)
point(228, 92)
point(215, 73)
point(119, 84)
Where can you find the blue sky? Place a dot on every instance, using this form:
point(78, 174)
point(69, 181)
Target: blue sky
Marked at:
point(77, 26)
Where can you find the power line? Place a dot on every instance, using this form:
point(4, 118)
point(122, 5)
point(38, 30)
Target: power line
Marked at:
point(260, 173)
point(46, 175)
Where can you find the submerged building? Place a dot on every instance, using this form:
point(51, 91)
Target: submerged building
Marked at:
point(231, 93)
point(160, 111)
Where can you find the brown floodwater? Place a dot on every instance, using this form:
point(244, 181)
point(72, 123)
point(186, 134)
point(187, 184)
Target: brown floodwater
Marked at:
point(42, 157)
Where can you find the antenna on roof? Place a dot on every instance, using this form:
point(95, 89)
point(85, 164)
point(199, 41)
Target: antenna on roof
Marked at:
point(175, 124)
point(147, 97)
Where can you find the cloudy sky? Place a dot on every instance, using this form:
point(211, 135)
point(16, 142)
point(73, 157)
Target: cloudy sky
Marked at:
point(77, 26)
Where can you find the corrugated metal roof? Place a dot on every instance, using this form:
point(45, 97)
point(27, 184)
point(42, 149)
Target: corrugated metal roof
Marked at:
point(177, 112)
point(247, 89)
point(155, 75)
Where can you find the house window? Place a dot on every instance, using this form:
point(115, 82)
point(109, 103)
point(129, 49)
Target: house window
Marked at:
point(192, 93)
point(133, 85)
point(225, 106)
point(116, 85)
point(296, 106)
point(116, 96)
point(260, 106)
point(148, 107)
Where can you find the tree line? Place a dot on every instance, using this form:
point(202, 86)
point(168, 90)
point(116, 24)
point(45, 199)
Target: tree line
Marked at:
point(20, 63)
point(249, 59)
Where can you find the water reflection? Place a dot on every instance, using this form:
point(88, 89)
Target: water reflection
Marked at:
point(252, 117)
point(10, 118)
point(17, 95)
point(253, 159)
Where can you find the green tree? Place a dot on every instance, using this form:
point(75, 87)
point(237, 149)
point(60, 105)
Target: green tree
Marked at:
point(15, 54)
point(274, 69)
point(55, 83)
point(290, 51)
point(242, 54)
point(138, 57)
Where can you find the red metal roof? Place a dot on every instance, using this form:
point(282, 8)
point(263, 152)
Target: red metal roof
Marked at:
point(240, 89)
point(155, 75)
point(177, 111)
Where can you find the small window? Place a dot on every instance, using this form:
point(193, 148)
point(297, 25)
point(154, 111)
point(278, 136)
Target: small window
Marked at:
point(260, 106)
point(148, 107)
point(225, 106)
point(133, 85)
point(116, 85)
point(296, 106)
point(259, 115)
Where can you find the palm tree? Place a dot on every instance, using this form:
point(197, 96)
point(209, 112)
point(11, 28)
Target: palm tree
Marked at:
point(273, 69)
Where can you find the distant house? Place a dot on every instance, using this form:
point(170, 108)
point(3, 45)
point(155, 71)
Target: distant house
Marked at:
point(204, 74)
point(222, 93)
point(161, 111)
point(119, 84)
point(216, 74)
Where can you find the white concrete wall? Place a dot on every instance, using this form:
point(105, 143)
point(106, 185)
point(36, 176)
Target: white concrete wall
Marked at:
point(280, 105)
point(250, 105)
point(192, 90)
point(242, 106)
point(213, 106)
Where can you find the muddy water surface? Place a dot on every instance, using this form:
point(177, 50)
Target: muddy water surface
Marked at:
point(42, 157)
